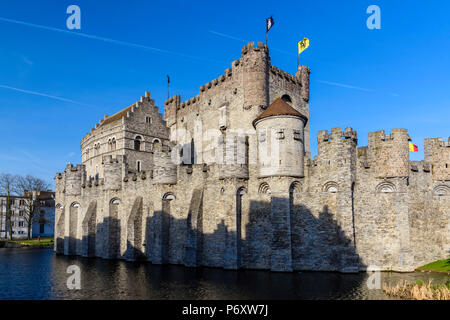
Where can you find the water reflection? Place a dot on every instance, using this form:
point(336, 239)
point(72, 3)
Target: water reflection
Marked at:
point(39, 274)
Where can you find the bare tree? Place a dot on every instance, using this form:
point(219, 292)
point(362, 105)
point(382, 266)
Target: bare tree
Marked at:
point(30, 187)
point(8, 187)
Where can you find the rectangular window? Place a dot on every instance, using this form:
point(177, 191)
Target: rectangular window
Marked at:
point(223, 117)
point(138, 166)
point(279, 134)
point(297, 135)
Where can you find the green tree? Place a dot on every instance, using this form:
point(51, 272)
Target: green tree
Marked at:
point(30, 187)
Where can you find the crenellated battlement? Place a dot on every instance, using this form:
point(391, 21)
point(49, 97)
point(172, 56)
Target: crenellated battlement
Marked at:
point(71, 168)
point(389, 153)
point(164, 168)
point(174, 104)
point(420, 166)
point(337, 134)
point(259, 47)
point(109, 159)
point(285, 75)
point(123, 114)
point(437, 154)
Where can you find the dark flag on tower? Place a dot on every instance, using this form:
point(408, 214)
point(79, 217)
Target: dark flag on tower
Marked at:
point(269, 24)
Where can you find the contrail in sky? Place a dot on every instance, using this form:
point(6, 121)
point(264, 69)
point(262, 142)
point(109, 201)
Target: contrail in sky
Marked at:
point(94, 37)
point(336, 84)
point(227, 36)
point(44, 95)
point(343, 85)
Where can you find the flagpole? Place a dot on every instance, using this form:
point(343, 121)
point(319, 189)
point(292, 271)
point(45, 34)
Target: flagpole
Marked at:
point(168, 87)
point(266, 31)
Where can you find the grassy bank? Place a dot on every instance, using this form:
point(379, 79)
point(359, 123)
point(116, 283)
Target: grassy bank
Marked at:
point(437, 266)
point(44, 242)
point(419, 291)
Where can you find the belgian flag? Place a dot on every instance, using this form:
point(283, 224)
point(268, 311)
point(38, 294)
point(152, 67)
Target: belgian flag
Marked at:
point(413, 147)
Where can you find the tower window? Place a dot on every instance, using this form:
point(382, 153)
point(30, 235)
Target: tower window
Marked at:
point(286, 98)
point(138, 166)
point(148, 120)
point(137, 143)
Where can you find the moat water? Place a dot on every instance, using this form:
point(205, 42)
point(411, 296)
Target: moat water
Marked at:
point(40, 274)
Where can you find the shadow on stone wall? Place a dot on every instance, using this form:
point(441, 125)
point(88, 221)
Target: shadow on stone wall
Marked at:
point(270, 239)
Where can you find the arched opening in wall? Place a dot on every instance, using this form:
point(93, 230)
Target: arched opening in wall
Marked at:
point(137, 143)
point(156, 144)
point(134, 231)
point(113, 144)
point(96, 149)
point(60, 230)
point(73, 227)
point(239, 195)
point(166, 218)
point(441, 190)
point(294, 217)
point(286, 98)
point(386, 187)
point(330, 187)
point(264, 189)
point(89, 230)
point(353, 213)
point(113, 226)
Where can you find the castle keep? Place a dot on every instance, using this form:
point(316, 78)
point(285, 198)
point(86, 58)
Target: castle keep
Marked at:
point(226, 180)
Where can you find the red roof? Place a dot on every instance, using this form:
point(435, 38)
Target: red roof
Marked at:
point(279, 108)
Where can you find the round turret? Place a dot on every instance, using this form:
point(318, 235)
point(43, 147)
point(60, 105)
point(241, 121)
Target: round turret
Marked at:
point(280, 140)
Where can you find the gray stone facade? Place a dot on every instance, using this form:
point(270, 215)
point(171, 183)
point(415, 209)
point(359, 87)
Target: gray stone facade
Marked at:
point(194, 188)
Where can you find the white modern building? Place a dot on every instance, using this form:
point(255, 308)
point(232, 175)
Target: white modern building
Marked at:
point(43, 220)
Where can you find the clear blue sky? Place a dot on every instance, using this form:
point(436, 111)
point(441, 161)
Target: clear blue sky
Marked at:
point(54, 85)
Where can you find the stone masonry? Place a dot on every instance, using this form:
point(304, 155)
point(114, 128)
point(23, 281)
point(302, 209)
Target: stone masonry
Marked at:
point(226, 180)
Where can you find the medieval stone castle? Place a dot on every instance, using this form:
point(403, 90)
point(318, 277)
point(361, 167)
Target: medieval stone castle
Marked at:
point(227, 180)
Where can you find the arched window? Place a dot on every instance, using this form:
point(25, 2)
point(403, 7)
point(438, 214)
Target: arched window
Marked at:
point(386, 187)
point(96, 149)
point(330, 187)
point(295, 187)
point(137, 143)
point(441, 190)
point(113, 144)
point(169, 196)
point(286, 98)
point(115, 201)
point(264, 188)
point(156, 144)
